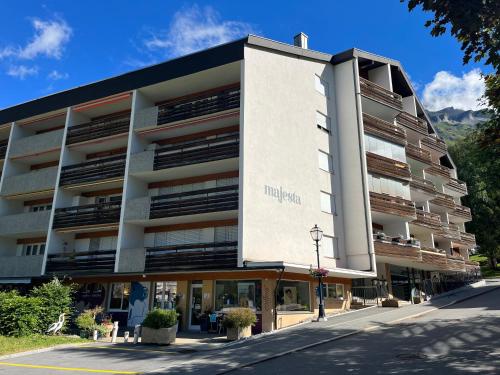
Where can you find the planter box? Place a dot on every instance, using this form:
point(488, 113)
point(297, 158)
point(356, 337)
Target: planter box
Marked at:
point(238, 333)
point(162, 336)
point(390, 303)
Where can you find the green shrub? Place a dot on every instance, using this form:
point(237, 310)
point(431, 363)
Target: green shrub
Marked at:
point(160, 319)
point(19, 316)
point(240, 318)
point(56, 298)
point(86, 322)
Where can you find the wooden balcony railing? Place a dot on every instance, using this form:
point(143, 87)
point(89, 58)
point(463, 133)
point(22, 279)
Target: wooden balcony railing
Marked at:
point(433, 257)
point(462, 211)
point(387, 167)
point(439, 170)
point(428, 219)
point(435, 143)
point(384, 129)
point(455, 263)
point(471, 263)
point(468, 239)
point(95, 170)
point(418, 153)
point(3, 148)
point(457, 185)
point(222, 198)
point(388, 204)
point(99, 128)
point(199, 105)
point(444, 200)
point(87, 262)
point(378, 93)
point(398, 250)
point(197, 151)
point(450, 231)
point(91, 214)
point(422, 184)
point(411, 122)
point(201, 256)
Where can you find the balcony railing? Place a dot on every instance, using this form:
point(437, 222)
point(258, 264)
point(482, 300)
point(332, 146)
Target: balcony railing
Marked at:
point(422, 184)
point(199, 105)
point(468, 239)
point(202, 256)
point(223, 198)
point(91, 214)
point(444, 200)
point(395, 249)
point(462, 211)
point(392, 205)
point(197, 151)
point(378, 93)
point(455, 263)
point(86, 262)
point(439, 170)
point(450, 231)
point(457, 185)
point(94, 170)
point(412, 123)
point(388, 167)
point(434, 257)
point(3, 148)
point(384, 129)
point(428, 219)
point(435, 143)
point(99, 128)
point(418, 153)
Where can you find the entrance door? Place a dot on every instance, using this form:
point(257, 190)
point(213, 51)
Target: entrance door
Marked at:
point(195, 306)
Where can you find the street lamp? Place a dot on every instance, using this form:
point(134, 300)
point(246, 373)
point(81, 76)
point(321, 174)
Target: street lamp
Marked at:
point(317, 235)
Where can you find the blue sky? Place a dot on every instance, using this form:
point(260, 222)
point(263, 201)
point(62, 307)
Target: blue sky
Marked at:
point(49, 46)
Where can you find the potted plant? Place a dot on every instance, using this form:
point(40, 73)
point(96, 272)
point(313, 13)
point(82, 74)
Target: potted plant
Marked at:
point(159, 327)
point(238, 323)
point(108, 324)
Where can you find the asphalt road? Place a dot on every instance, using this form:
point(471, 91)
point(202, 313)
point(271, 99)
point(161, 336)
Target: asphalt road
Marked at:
point(462, 338)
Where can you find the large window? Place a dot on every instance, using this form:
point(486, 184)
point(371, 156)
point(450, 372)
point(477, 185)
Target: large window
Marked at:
point(384, 148)
point(242, 293)
point(335, 291)
point(119, 296)
point(165, 293)
point(379, 184)
point(293, 296)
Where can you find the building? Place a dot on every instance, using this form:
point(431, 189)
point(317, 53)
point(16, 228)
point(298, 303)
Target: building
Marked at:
point(194, 183)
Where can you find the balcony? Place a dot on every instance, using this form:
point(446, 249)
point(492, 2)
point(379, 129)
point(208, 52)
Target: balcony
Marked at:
point(468, 239)
point(21, 266)
point(99, 128)
point(388, 204)
point(396, 249)
point(461, 213)
point(444, 200)
point(91, 214)
point(85, 262)
point(375, 92)
point(433, 258)
point(439, 170)
point(418, 154)
point(197, 151)
point(423, 185)
point(472, 266)
point(450, 231)
point(96, 170)
point(456, 186)
point(435, 143)
point(428, 219)
point(223, 198)
point(38, 143)
point(413, 123)
point(37, 181)
point(203, 256)
point(27, 224)
point(384, 129)
point(455, 263)
point(381, 165)
point(3, 148)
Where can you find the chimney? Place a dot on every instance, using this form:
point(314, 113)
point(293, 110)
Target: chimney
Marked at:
point(300, 40)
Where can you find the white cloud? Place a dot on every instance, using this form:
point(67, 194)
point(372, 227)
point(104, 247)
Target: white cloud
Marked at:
point(56, 76)
point(193, 29)
point(448, 90)
point(22, 71)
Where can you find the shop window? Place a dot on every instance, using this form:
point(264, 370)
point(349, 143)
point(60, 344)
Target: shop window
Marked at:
point(165, 295)
point(119, 296)
point(293, 296)
point(245, 293)
point(335, 291)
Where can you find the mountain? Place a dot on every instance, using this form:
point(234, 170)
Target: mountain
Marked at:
point(453, 124)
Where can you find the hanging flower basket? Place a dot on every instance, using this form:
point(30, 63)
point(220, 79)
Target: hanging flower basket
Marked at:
point(318, 272)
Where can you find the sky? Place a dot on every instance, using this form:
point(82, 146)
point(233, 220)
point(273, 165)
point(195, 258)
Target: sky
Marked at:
point(49, 46)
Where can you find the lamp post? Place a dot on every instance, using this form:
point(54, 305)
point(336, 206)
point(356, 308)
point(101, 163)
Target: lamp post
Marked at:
point(317, 235)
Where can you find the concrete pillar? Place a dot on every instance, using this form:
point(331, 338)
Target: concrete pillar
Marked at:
point(268, 286)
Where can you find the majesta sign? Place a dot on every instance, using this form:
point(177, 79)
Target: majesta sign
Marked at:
point(281, 195)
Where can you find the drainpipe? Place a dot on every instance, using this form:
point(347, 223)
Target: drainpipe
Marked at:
point(276, 298)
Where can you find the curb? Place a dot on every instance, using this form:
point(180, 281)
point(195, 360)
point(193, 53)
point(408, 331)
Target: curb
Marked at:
point(42, 350)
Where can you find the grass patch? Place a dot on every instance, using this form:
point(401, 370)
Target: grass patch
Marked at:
point(486, 271)
point(9, 345)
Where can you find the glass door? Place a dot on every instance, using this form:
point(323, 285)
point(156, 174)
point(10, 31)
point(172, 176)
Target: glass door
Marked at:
point(195, 306)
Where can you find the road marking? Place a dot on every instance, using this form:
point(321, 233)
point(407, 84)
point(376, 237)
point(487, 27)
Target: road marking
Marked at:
point(68, 368)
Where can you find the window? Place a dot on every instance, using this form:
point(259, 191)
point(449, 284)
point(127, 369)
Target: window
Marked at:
point(325, 161)
point(165, 293)
point(320, 85)
point(119, 296)
point(330, 246)
point(40, 207)
point(335, 291)
point(327, 202)
point(244, 293)
point(293, 296)
point(379, 184)
point(34, 249)
point(384, 148)
point(323, 122)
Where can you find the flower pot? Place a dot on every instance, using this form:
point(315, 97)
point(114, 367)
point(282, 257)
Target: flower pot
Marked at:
point(161, 336)
point(109, 329)
point(238, 333)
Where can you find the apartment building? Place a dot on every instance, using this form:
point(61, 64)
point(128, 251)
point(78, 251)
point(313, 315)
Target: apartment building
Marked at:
point(193, 184)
